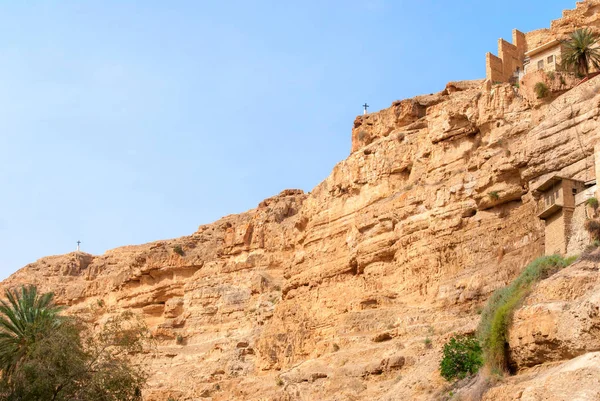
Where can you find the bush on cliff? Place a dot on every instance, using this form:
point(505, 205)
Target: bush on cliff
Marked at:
point(541, 90)
point(462, 356)
point(593, 227)
point(46, 356)
point(498, 312)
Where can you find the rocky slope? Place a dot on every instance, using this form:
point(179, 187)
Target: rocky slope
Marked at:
point(332, 295)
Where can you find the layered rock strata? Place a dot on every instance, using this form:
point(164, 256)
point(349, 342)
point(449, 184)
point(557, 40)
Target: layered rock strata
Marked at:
point(349, 292)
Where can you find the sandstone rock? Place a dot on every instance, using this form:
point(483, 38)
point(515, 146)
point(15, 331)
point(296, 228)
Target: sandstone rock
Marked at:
point(560, 319)
point(402, 242)
point(577, 379)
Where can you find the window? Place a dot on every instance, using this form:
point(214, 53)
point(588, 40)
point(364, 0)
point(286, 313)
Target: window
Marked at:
point(541, 65)
point(574, 190)
point(550, 59)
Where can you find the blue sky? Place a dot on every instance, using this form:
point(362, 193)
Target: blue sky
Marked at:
point(126, 122)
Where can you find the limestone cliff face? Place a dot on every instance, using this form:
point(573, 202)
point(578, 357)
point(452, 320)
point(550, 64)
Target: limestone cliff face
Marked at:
point(331, 295)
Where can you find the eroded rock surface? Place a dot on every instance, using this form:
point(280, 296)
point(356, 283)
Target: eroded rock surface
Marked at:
point(350, 291)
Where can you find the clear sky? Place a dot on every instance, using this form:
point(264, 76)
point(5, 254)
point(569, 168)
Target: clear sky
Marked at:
point(124, 122)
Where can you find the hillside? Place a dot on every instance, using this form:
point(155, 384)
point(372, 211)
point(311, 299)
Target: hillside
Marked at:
point(331, 295)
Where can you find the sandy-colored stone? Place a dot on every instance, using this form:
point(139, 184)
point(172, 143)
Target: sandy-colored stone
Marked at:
point(332, 295)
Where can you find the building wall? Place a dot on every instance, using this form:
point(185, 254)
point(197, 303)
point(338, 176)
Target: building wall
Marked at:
point(510, 56)
point(555, 234)
point(493, 68)
point(520, 41)
point(511, 59)
point(579, 238)
point(555, 52)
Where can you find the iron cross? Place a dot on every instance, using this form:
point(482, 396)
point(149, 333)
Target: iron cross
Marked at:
point(366, 106)
point(78, 243)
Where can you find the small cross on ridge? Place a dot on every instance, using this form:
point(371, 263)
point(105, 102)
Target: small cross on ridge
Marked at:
point(366, 106)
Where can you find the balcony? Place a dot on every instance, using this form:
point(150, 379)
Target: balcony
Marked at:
point(550, 210)
point(552, 197)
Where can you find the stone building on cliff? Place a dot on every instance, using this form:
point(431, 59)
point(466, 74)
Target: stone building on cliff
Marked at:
point(540, 49)
point(559, 198)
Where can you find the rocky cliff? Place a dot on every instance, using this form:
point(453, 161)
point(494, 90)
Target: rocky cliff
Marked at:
point(349, 292)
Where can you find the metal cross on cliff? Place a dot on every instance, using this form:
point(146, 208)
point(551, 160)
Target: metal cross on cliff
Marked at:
point(366, 106)
point(78, 243)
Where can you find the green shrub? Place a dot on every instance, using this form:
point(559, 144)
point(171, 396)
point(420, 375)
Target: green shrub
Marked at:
point(570, 259)
point(494, 195)
point(179, 339)
point(591, 248)
point(178, 250)
point(462, 357)
point(541, 90)
point(497, 315)
point(427, 343)
point(550, 75)
point(593, 202)
point(49, 356)
point(562, 80)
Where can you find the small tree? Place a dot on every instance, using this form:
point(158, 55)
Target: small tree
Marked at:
point(581, 51)
point(24, 317)
point(541, 90)
point(462, 356)
point(178, 250)
point(64, 361)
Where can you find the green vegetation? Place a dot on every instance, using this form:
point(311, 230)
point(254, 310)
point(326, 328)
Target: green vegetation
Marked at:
point(24, 317)
point(279, 381)
point(591, 247)
point(494, 195)
point(563, 82)
point(428, 343)
point(593, 202)
point(551, 76)
point(541, 90)
point(179, 339)
point(462, 356)
point(569, 260)
point(46, 356)
point(581, 51)
point(497, 314)
point(178, 250)
point(336, 347)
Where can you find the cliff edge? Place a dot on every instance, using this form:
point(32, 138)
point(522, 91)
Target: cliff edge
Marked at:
point(350, 291)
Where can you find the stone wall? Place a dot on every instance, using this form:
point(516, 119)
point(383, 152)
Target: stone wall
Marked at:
point(555, 238)
point(579, 238)
point(510, 57)
point(493, 68)
point(586, 14)
point(554, 65)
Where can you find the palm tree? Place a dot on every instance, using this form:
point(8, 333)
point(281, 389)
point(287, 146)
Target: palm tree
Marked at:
point(581, 51)
point(24, 318)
